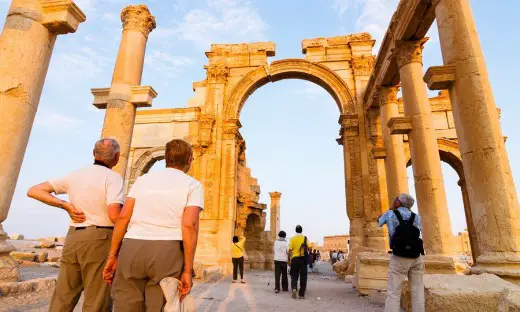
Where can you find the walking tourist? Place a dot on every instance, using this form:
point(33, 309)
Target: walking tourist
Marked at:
point(340, 256)
point(281, 257)
point(96, 195)
point(299, 251)
point(237, 254)
point(404, 229)
point(334, 257)
point(159, 223)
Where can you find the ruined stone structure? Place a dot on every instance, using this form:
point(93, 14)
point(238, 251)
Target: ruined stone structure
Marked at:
point(30, 31)
point(379, 133)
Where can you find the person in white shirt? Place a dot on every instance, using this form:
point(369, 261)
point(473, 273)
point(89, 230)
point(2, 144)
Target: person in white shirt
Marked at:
point(96, 195)
point(281, 257)
point(160, 224)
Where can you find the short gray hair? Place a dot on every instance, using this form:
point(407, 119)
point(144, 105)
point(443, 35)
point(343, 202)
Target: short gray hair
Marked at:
point(106, 149)
point(406, 199)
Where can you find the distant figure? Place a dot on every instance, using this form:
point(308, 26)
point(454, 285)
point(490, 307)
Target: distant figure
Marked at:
point(237, 252)
point(404, 229)
point(281, 257)
point(334, 257)
point(96, 195)
point(299, 256)
point(340, 256)
point(156, 234)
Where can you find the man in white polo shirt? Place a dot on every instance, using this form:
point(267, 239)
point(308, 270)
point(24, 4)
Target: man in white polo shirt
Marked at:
point(96, 195)
point(159, 223)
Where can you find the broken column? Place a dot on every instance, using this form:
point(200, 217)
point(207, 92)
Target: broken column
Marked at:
point(491, 190)
point(26, 45)
point(395, 160)
point(426, 163)
point(125, 94)
point(275, 214)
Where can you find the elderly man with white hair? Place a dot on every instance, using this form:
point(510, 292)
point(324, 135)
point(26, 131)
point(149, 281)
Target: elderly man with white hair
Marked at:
point(95, 199)
point(404, 231)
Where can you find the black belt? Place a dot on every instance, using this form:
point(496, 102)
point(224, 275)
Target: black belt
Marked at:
point(97, 227)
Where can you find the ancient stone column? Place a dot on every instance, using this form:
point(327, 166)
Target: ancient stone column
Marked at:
point(121, 106)
point(26, 45)
point(426, 163)
point(395, 160)
point(491, 189)
point(274, 223)
point(475, 250)
point(353, 178)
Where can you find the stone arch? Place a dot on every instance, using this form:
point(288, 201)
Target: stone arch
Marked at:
point(146, 161)
point(290, 69)
point(449, 152)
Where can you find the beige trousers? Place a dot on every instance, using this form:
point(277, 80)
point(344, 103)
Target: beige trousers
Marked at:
point(400, 269)
point(142, 264)
point(82, 262)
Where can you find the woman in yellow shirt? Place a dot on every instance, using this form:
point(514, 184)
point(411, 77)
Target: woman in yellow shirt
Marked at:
point(237, 252)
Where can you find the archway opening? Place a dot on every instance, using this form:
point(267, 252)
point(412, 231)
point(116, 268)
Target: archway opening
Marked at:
point(290, 129)
point(254, 244)
point(456, 208)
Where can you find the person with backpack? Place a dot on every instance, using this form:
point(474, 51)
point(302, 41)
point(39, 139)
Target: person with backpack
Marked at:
point(299, 251)
point(237, 254)
point(404, 231)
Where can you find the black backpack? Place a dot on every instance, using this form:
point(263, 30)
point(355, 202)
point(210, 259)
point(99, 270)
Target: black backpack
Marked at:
point(406, 241)
point(305, 250)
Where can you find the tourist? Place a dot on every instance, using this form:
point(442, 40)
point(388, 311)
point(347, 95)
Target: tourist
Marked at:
point(334, 257)
point(406, 261)
point(96, 194)
point(298, 250)
point(340, 256)
point(159, 223)
point(237, 254)
point(281, 257)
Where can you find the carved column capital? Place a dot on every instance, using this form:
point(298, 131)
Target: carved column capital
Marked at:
point(387, 94)
point(230, 129)
point(138, 17)
point(363, 65)
point(275, 195)
point(406, 52)
point(349, 125)
point(217, 73)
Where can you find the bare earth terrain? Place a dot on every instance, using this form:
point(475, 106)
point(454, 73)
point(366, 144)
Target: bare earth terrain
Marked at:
point(325, 293)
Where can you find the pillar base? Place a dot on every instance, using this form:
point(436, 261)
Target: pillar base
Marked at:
point(503, 264)
point(9, 271)
point(439, 264)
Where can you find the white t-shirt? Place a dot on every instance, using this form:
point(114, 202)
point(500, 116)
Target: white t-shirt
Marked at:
point(160, 199)
point(91, 190)
point(281, 249)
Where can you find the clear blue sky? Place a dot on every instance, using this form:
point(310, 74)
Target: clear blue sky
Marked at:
point(290, 127)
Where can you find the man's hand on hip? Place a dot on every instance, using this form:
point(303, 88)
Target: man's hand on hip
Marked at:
point(76, 215)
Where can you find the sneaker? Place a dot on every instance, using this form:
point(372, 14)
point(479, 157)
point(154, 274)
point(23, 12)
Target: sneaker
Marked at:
point(302, 297)
point(276, 291)
point(233, 281)
point(294, 293)
point(242, 281)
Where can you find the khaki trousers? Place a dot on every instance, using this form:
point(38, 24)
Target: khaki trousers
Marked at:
point(82, 262)
point(142, 264)
point(400, 269)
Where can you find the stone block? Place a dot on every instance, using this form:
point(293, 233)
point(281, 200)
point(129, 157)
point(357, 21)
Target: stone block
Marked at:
point(198, 267)
point(47, 243)
point(16, 236)
point(42, 256)
point(377, 297)
point(371, 272)
point(23, 255)
point(26, 263)
point(25, 287)
point(340, 268)
point(212, 274)
point(9, 268)
point(351, 258)
point(456, 293)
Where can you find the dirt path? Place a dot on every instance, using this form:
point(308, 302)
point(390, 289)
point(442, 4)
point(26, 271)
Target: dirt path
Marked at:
point(325, 293)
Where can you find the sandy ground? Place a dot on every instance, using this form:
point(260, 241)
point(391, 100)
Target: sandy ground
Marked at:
point(325, 293)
